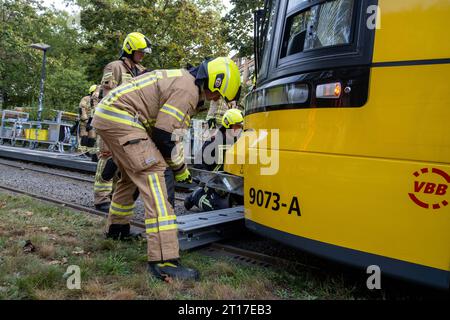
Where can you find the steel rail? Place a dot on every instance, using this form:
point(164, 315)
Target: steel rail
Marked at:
point(216, 249)
point(67, 204)
point(186, 243)
point(253, 258)
point(23, 167)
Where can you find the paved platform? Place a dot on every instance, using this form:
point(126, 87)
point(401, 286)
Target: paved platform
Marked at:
point(75, 161)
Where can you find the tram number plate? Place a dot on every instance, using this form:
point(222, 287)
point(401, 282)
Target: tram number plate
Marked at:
point(273, 201)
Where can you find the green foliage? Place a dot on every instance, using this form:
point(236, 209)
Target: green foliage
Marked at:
point(23, 23)
point(181, 31)
point(239, 25)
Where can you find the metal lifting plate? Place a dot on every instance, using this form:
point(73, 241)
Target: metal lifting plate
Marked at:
point(219, 180)
point(199, 229)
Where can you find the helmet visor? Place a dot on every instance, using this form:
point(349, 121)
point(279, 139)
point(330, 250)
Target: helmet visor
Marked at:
point(146, 50)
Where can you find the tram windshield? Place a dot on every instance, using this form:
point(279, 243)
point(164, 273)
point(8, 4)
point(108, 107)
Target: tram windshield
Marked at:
point(307, 29)
point(324, 25)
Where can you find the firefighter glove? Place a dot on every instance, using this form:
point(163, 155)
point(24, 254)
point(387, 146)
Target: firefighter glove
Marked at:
point(110, 170)
point(184, 177)
point(88, 125)
point(212, 123)
point(84, 141)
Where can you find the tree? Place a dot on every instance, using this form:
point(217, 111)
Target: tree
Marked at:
point(239, 25)
point(25, 22)
point(181, 31)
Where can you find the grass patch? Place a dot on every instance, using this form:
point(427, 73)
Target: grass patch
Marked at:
point(118, 271)
point(113, 264)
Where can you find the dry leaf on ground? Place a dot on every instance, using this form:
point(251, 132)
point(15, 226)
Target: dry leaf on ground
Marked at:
point(28, 247)
point(78, 251)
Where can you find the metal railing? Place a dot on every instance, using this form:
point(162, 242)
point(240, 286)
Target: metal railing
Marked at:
point(17, 129)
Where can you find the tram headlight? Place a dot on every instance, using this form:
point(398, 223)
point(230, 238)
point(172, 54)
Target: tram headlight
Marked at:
point(329, 91)
point(297, 93)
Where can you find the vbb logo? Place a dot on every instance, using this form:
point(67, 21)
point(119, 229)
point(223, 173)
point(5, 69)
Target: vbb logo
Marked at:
point(424, 188)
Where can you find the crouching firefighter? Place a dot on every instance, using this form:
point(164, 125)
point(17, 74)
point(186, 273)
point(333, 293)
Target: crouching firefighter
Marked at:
point(136, 122)
point(213, 154)
point(116, 73)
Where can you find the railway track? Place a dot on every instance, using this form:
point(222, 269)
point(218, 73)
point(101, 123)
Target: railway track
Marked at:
point(67, 204)
point(24, 167)
point(251, 258)
point(214, 250)
point(57, 174)
point(195, 230)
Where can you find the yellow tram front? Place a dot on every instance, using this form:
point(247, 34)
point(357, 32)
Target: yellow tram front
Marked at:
point(349, 130)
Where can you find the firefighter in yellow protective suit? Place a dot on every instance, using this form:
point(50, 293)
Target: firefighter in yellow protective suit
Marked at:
point(137, 122)
point(86, 110)
point(213, 155)
point(216, 112)
point(115, 74)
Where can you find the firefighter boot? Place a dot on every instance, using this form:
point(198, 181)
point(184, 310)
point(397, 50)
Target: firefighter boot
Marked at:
point(94, 157)
point(192, 199)
point(103, 207)
point(188, 203)
point(122, 232)
point(172, 270)
point(91, 142)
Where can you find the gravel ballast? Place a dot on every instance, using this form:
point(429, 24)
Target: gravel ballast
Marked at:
point(60, 188)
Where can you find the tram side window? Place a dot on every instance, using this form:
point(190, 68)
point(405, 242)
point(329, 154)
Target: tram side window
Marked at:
point(325, 25)
point(267, 37)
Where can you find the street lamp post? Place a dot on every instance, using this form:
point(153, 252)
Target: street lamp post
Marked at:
point(43, 47)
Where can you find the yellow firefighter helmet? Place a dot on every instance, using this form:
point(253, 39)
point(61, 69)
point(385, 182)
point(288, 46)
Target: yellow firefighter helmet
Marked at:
point(136, 41)
point(231, 117)
point(92, 88)
point(224, 76)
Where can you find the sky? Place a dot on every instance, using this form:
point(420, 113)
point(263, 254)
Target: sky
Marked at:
point(227, 5)
point(59, 4)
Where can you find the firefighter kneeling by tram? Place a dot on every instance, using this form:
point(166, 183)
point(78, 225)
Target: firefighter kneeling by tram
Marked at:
point(213, 153)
